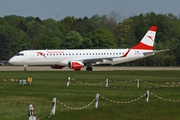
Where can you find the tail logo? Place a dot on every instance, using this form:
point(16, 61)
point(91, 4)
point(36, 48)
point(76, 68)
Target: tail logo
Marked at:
point(150, 37)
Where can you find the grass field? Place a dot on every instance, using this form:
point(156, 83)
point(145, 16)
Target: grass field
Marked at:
point(15, 98)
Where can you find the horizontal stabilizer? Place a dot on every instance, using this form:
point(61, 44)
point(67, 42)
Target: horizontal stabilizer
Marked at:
point(154, 52)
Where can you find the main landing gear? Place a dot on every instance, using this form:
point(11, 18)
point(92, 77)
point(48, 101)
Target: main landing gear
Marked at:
point(89, 67)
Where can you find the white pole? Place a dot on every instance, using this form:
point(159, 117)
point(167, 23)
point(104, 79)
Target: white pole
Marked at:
point(20, 81)
point(54, 106)
point(147, 96)
point(106, 82)
point(137, 83)
point(96, 100)
point(34, 118)
point(68, 81)
point(30, 112)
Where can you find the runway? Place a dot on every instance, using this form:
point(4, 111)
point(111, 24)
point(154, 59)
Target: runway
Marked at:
point(95, 68)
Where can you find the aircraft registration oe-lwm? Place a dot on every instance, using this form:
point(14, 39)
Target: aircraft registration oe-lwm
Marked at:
point(76, 59)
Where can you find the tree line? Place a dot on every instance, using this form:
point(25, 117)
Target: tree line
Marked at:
point(98, 32)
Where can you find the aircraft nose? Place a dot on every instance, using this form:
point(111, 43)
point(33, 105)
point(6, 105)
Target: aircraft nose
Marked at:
point(12, 60)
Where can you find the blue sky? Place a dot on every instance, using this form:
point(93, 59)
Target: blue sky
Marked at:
point(59, 9)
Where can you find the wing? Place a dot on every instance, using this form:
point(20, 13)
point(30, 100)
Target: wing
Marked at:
point(86, 61)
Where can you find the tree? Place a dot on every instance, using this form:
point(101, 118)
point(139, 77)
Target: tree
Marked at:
point(51, 28)
point(73, 40)
point(83, 26)
point(4, 48)
point(18, 39)
point(87, 43)
point(35, 31)
point(13, 20)
point(29, 19)
point(124, 34)
point(109, 22)
point(64, 25)
point(2, 21)
point(48, 42)
point(102, 38)
point(22, 25)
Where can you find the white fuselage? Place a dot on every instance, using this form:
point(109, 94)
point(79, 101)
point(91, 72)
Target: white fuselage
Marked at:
point(62, 57)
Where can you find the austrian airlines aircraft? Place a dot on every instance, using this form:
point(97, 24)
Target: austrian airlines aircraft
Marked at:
point(76, 59)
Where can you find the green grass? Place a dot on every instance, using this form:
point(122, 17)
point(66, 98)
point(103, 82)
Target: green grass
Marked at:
point(15, 98)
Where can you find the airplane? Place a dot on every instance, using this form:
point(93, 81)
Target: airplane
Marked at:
point(76, 59)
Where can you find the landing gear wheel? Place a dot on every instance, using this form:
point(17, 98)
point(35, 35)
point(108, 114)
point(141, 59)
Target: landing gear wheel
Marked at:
point(89, 68)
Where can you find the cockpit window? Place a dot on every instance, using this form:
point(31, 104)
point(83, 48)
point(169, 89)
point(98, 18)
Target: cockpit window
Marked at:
point(20, 54)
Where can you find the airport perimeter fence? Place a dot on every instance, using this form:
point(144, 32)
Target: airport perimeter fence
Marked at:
point(107, 81)
point(32, 116)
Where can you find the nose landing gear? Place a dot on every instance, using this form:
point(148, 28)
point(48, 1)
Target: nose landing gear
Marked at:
point(25, 67)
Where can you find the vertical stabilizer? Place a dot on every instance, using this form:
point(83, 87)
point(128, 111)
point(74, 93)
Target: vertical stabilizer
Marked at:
point(148, 40)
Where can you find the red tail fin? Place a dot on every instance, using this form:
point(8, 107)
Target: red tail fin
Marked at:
point(148, 40)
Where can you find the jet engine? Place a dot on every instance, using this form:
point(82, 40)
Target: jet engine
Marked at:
point(77, 65)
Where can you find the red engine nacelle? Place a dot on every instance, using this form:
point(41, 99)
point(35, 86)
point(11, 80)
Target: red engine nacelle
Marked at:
point(75, 65)
point(57, 66)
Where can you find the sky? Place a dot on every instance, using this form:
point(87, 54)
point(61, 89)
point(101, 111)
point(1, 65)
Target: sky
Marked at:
point(59, 9)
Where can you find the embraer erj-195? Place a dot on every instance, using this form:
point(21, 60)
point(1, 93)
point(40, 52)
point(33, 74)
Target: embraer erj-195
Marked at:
point(76, 59)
